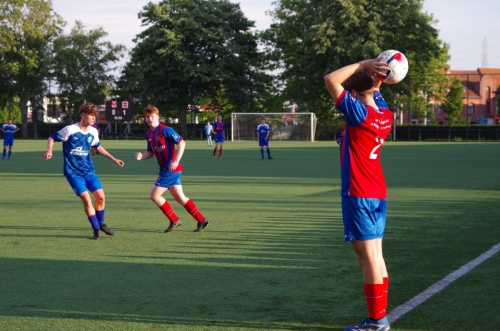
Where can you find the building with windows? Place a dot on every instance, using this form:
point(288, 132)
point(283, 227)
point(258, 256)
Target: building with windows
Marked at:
point(479, 96)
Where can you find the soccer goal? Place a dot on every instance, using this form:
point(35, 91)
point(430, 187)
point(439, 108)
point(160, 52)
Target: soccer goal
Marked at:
point(284, 126)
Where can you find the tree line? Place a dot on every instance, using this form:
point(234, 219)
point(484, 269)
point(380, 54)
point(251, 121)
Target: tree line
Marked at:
point(206, 52)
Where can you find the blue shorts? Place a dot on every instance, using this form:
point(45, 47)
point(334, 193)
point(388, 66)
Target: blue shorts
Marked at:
point(81, 184)
point(8, 141)
point(364, 218)
point(263, 142)
point(167, 179)
point(219, 138)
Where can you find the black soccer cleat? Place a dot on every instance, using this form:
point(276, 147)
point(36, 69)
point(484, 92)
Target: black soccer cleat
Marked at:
point(172, 226)
point(201, 225)
point(97, 235)
point(106, 230)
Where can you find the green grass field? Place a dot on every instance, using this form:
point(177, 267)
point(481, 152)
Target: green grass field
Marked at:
point(273, 257)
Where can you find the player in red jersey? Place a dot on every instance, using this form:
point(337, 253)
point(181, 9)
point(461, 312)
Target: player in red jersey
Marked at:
point(354, 88)
point(219, 127)
point(161, 143)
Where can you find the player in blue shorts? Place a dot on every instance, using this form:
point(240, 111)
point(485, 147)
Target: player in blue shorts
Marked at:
point(8, 139)
point(161, 142)
point(219, 127)
point(263, 131)
point(368, 121)
point(77, 139)
point(208, 132)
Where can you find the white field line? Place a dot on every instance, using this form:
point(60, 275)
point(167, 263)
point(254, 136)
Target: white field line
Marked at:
point(438, 286)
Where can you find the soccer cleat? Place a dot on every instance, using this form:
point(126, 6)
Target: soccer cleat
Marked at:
point(97, 235)
point(172, 226)
point(269, 158)
point(201, 225)
point(214, 156)
point(370, 325)
point(106, 230)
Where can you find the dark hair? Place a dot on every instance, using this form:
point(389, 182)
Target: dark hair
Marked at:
point(360, 82)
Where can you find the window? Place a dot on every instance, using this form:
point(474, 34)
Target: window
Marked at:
point(441, 109)
point(470, 109)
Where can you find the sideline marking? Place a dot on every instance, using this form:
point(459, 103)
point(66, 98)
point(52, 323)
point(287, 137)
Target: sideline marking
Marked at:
point(439, 285)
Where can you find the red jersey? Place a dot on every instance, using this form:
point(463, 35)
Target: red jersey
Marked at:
point(162, 141)
point(365, 131)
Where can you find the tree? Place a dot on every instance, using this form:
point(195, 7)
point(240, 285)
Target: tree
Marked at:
point(192, 49)
point(313, 37)
point(83, 64)
point(453, 103)
point(27, 27)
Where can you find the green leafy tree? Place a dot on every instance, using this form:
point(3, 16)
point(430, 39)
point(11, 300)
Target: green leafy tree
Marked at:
point(453, 104)
point(27, 28)
point(193, 49)
point(313, 37)
point(83, 63)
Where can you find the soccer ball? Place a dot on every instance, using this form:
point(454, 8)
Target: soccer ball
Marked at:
point(398, 66)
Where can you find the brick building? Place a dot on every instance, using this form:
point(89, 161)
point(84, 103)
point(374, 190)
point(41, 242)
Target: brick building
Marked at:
point(479, 96)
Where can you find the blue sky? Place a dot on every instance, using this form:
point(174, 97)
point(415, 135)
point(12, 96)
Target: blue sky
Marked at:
point(463, 24)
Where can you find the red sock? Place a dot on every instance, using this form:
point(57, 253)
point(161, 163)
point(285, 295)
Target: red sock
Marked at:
point(215, 150)
point(220, 152)
point(375, 300)
point(167, 210)
point(193, 210)
point(386, 293)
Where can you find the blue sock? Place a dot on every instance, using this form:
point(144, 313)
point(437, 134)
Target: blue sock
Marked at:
point(100, 216)
point(93, 222)
point(268, 153)
point(10, 152)
point(262, 152)
point(4, 152)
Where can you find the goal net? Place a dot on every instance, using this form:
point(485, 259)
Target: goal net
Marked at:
point(284, 126)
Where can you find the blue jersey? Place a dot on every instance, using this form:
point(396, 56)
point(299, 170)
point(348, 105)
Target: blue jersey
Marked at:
point(9, 130)
point(76, 146)
point(263, 130)
point(162, 141)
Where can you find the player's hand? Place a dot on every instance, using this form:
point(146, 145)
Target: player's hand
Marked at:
point(173, 165)
point(138, 156)
point(119, 162)
point(47, 155)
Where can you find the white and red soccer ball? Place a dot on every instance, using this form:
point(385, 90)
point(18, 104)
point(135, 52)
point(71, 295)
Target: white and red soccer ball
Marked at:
point(398, 66)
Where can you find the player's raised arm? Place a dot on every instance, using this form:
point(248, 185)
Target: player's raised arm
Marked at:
point(107, 155)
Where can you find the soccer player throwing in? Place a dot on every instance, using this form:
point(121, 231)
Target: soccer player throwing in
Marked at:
point(161, 141)
point(219, 127)
point(77, 139)
point(8, 139)
point(354, 89)
point(263, 131)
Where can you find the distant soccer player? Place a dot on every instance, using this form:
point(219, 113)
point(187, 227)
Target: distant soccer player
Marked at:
point(209, 129)
point(263, 131)
point(8, 139)
point(77, 139)
point(219, 128)
point(363, 189)
point(161, 142)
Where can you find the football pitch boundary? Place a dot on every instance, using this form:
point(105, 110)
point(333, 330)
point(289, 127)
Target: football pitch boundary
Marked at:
point(411, 304)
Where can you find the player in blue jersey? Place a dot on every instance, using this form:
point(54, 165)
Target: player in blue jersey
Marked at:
point(209, 129)
point(161, 142)
point(219, 128)
point(8, 139)
point(263, 131)
point(77, 139)
point(354, 88)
